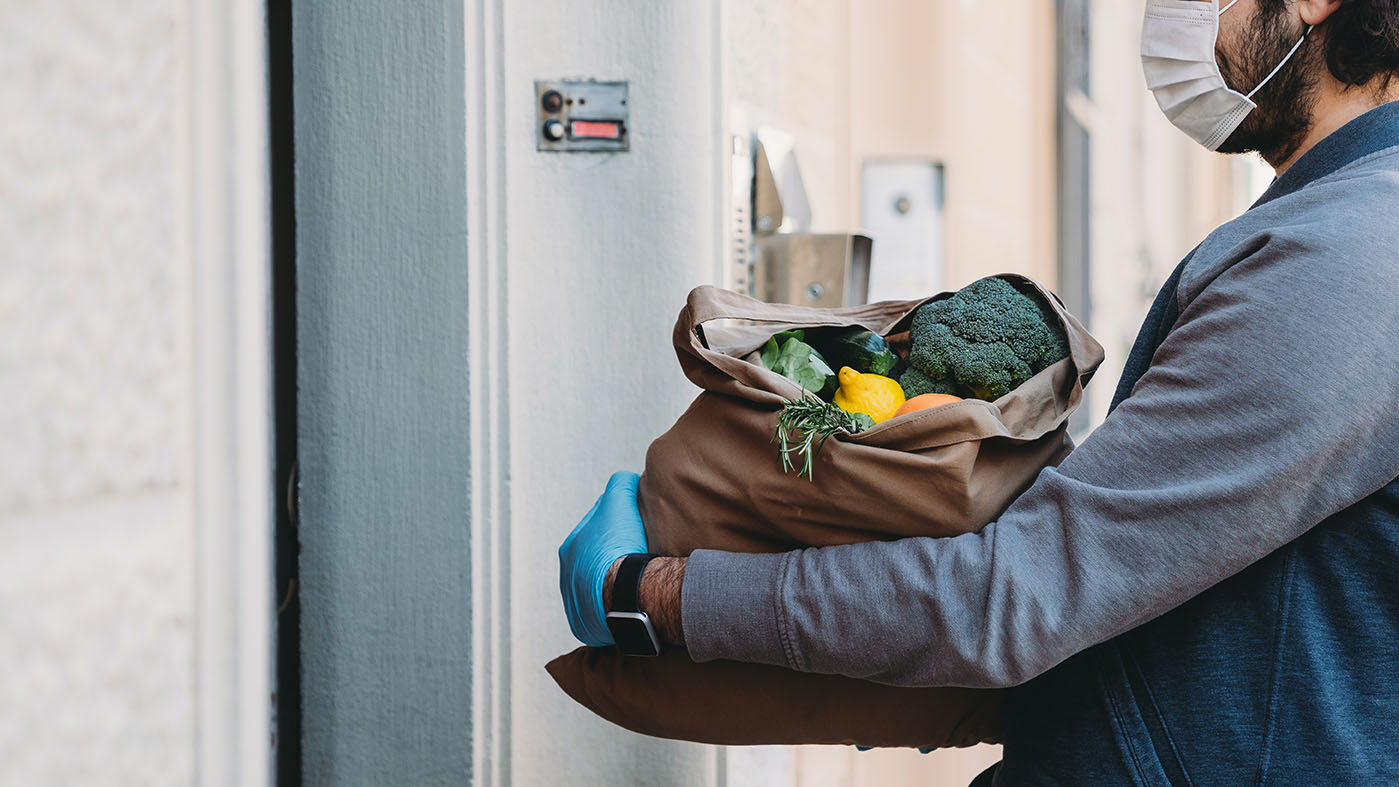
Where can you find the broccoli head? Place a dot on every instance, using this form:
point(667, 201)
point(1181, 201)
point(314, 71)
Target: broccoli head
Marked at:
point(916, 383)
point(982, 342)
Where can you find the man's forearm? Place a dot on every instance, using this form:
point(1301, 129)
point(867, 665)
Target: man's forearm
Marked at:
point(659, 596)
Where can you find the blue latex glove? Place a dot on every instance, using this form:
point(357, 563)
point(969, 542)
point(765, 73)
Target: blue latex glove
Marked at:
point(610, 530)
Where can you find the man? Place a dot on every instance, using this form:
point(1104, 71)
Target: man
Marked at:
point(1206, 591)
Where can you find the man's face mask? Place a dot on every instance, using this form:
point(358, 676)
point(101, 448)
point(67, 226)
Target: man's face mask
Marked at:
point(1178, 43)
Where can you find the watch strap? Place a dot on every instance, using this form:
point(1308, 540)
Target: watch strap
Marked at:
point(626, 588)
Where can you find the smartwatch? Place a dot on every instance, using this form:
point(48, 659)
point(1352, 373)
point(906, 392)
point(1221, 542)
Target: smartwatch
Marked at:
point(631, 628)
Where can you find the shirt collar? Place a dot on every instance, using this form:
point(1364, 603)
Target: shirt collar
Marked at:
point(1370, 133)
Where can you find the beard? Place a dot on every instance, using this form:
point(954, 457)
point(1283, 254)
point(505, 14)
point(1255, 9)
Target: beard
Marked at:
point(1279, 125)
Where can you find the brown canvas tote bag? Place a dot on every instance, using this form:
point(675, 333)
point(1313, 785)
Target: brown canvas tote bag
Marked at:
point(714, 481)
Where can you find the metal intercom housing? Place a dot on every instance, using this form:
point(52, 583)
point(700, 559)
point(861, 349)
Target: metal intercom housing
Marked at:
point(581, 116)
point(814, 269)
point(902, 204)
point(775, 256)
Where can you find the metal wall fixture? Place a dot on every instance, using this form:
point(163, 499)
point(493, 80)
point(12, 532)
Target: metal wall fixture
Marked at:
point(902, 205)
point(581, 116)
point(814, 269)
point(791, 263)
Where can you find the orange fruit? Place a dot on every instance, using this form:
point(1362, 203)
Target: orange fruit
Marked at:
point(924, 401)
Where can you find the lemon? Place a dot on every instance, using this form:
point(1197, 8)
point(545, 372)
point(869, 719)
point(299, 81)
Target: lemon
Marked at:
point(875, 395)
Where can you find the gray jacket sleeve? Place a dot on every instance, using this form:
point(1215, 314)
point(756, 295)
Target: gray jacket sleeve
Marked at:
point(1273, 404)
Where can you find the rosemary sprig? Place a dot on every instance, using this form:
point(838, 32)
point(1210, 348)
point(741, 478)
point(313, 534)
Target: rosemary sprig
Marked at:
point(803, 427)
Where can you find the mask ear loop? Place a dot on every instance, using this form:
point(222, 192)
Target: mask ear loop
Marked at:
point(1290, 53)
point(1227, 7)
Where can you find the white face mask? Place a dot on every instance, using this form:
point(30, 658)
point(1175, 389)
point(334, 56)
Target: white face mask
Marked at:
point(1178, 40)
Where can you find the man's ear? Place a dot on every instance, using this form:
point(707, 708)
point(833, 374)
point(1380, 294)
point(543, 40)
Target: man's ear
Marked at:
point(1314, 12)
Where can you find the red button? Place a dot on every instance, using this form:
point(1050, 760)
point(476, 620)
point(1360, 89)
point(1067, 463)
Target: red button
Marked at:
point(592, 129)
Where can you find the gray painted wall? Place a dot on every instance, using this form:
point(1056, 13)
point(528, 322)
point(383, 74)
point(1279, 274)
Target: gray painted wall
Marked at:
point(383, 430)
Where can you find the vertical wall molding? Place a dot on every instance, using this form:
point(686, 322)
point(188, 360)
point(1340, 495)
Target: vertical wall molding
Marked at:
point(228, 225)
point(489, 388)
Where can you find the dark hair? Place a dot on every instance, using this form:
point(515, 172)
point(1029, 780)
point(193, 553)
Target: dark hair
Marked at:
point(1362, 42)
point(1362, 39)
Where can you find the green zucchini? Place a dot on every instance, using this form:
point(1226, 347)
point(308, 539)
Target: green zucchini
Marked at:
point(864, 351)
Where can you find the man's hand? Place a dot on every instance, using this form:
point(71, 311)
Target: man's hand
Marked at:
point(609, 531)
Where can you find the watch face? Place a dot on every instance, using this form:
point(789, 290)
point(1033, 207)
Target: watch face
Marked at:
point(633, 633)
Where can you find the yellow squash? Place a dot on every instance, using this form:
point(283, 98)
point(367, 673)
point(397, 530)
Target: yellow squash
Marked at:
point(875, 395)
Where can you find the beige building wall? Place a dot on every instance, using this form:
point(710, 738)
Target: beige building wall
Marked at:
point(964, 84)
point(970, 85)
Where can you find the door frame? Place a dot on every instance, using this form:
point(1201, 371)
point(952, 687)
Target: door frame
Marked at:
point(227, 223)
